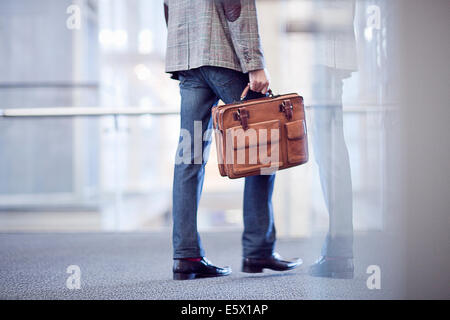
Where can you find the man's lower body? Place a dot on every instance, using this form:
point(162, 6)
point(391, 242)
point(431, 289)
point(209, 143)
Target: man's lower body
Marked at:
point(200, 90)
point(335, 176)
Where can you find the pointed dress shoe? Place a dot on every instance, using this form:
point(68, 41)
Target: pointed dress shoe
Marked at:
point(336, 268)
point(187, 270)
point(274, 262)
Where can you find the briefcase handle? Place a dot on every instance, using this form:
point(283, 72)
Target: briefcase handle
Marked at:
point(247, 88)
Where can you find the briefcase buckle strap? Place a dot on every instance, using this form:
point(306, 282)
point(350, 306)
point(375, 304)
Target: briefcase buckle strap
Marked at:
point(242, 115)
point(287, 108)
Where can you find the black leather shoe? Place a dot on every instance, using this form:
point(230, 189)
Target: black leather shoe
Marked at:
point(187, 270)
point(336, 268)
point(252, 265)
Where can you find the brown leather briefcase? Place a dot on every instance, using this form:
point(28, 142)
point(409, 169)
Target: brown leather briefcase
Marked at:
point(260, 136)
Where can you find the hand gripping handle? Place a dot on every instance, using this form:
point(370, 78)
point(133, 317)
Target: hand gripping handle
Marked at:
point(247, 88)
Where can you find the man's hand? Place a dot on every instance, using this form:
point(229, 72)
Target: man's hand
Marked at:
point(259, 81)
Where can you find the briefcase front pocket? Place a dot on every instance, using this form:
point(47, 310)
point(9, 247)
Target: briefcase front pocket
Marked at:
point(296, 142)
point(256, 148)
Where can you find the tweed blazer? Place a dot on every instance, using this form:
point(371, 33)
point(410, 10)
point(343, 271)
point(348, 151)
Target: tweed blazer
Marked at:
point(213, 33)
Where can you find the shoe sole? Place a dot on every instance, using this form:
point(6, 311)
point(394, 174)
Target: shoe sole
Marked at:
point(248, 269)
point(192, 276)
point(251, 269)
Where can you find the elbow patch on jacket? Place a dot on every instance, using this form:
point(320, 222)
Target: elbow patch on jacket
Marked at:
point(232, 9)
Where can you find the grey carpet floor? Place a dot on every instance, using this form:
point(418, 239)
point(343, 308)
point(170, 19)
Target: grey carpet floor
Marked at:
point(138, 266)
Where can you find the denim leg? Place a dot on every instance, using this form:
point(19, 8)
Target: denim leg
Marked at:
point(259, 236)
point(196, 102)
point(258, 239)
point(334, 169)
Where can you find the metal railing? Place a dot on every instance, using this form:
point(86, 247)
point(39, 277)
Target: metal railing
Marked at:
point(84, 111)
point(138, 111)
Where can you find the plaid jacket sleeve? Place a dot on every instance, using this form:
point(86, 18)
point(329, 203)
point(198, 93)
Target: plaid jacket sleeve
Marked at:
point(242, 22)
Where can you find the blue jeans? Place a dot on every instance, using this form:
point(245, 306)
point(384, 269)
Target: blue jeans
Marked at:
point(200, 90)
point(333, 161)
